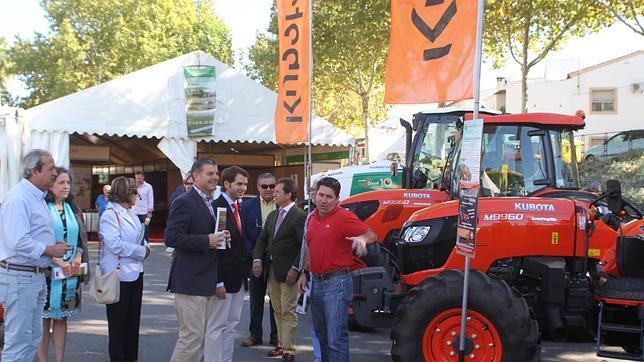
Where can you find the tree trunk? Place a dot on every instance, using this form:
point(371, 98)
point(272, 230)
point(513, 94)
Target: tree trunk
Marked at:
point(524, 87)
point(365, 123)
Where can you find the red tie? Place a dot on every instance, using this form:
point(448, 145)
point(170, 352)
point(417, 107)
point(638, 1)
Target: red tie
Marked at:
point(237, 218)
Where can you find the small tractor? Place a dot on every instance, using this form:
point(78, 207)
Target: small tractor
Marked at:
point(538, 262)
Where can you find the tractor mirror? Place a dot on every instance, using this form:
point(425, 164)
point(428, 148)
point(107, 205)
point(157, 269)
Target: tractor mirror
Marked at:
point(614, 196)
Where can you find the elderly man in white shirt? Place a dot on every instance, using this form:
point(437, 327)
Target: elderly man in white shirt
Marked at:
point(144, 205)
point(27, 244)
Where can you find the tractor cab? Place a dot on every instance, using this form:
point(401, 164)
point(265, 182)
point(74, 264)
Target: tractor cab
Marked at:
point(523, 155)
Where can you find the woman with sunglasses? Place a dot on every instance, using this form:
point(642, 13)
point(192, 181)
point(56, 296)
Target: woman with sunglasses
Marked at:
point(123, 247)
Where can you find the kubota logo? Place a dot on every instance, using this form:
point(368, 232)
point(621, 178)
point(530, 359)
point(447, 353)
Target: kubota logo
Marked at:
point(527, 206)
point(415, 195)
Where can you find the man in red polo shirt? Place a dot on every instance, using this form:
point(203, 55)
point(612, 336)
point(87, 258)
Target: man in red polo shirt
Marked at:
point(332, 235)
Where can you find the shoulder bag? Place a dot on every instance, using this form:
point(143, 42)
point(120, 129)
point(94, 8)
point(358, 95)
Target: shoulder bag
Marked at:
point(105, 288)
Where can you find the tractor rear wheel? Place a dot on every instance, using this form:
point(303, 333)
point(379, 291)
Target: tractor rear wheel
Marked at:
point(499, 327)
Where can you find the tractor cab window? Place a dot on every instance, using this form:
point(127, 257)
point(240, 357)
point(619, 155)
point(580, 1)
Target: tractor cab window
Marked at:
point(512, 161)
point(565, 163)
point(431, 154)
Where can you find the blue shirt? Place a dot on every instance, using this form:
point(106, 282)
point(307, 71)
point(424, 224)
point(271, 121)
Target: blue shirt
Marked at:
point(25, 226)
point(101, 201)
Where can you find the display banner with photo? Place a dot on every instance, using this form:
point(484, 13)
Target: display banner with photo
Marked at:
point(201, 98)
point(469, 175)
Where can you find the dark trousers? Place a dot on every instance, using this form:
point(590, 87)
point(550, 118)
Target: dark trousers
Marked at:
point(256, 292)
point(146, 234)
point(123, 320)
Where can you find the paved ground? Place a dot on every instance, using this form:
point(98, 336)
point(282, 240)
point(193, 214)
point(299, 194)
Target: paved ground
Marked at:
point(87, 340)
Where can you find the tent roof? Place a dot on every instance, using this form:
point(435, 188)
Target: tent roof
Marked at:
point(151, 103)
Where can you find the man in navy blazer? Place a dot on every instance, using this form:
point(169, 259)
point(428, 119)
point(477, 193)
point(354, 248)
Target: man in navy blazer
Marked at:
point(194, 270)
point(254, 214)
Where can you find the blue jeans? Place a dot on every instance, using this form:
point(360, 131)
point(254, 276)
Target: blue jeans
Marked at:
point(316, 346)
point(330, 312)
point(23, 295)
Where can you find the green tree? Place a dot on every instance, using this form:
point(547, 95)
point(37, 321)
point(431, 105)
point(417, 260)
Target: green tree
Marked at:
point(628, 12)
point(90, 42)
point(4, 64)
point(350, 42)
point(528, 30)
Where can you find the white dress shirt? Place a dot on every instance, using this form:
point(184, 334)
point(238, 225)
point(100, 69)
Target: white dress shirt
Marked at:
point(120, 242)
point(26, 227)
point(144, 199)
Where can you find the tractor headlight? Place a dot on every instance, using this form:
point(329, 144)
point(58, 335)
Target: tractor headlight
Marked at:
point(415, 234)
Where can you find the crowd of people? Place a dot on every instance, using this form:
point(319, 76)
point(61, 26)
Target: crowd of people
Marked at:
point(221, 249)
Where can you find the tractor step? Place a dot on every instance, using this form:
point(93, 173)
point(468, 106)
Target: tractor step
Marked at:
point(620, 355)
point(625, 328)
point(619, 328)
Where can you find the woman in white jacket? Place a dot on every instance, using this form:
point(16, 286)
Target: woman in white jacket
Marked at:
point(123, 247)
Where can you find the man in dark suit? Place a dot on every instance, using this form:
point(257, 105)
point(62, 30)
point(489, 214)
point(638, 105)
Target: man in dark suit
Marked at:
point(254, 214)
point(277, 250)
point(194, 268)
point(233, 267)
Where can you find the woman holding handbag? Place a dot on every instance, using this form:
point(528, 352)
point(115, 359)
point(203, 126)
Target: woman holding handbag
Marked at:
point(64, 276)
point(123, 247)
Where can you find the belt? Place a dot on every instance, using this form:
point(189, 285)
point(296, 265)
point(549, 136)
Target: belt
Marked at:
point(331, 274)
point(26, 268)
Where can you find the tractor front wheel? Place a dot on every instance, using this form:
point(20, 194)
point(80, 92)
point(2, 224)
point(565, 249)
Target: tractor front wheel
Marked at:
point(499, 327)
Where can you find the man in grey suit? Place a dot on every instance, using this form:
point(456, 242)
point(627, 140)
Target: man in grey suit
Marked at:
point(277, 249)
point(194, 270)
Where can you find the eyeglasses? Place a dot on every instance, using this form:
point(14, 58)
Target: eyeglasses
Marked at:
point(271, 186)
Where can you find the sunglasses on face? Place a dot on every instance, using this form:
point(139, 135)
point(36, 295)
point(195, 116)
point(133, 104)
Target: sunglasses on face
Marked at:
point(271, 186)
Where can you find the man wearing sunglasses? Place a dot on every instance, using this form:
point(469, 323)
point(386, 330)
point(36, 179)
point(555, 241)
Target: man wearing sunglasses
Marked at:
point(254, 214)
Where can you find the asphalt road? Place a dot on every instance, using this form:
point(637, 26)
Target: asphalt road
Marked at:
point(87, 339)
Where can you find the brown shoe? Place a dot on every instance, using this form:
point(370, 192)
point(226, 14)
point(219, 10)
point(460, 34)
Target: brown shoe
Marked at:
point(251, 341)
point(276, 352)
point(288, 357)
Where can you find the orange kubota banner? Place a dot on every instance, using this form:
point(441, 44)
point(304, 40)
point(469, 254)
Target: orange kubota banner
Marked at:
point(292, 109)
point(431, 51)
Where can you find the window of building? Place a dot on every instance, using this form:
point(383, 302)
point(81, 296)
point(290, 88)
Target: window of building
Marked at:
point(603, 100)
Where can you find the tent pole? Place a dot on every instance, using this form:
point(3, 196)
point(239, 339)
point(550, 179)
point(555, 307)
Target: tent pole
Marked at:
point(308, 164)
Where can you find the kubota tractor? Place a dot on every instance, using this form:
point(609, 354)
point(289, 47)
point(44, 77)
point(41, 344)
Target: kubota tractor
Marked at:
point(538, 251)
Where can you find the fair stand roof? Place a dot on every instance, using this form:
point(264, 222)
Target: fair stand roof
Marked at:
point(151, 103)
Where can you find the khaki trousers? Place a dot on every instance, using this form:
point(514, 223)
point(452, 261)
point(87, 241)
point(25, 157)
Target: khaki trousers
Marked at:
point(192, 313)
point(284, 299)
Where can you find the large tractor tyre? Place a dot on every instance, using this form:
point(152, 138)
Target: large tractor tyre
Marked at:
point(499, 327)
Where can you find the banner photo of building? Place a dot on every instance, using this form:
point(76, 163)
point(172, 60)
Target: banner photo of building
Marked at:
point(201, 97)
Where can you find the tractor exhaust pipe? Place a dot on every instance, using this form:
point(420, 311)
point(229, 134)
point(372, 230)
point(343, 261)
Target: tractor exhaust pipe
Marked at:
point(556, 329)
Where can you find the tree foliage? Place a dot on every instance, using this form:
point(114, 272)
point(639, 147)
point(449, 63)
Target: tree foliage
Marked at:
point(350, 42)
point(529, 30)
point(90, 42)
point(628, 12)
point(4, 64)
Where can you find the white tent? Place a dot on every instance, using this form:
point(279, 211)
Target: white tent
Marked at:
point(151, 103)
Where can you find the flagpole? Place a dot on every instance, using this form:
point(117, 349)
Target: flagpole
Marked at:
point(308, 171)
point(477, 96)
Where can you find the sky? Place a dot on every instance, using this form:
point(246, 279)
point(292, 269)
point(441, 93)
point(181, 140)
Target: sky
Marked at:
point(247, 17)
